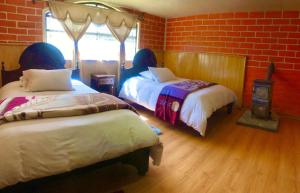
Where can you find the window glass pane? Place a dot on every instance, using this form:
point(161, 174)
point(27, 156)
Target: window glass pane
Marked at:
point(58, 37)
point(130, 44)
point(98, 44)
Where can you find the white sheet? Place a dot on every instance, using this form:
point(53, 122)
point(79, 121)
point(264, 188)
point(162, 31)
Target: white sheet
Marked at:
point(37, 148)
point(197, 107)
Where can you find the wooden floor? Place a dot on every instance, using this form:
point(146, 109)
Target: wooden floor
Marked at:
point(231, 158)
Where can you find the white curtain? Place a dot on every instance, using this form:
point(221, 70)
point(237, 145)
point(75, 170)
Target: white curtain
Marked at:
point(77, 18)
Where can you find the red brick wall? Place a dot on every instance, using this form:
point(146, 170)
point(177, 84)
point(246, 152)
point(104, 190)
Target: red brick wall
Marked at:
point(152, 32)
point(21, 23)
point(261, 36)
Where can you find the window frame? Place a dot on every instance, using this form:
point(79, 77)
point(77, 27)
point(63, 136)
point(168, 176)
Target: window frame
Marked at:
point(138, 25)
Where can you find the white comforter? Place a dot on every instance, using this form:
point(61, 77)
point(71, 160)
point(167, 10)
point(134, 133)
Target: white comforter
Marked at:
point(197, 107)
point(38, 148)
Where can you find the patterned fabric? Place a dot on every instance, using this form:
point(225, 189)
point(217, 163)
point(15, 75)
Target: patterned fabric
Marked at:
point(172, 96)
point(40, 107)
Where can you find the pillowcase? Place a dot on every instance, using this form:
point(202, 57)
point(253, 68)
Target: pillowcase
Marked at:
point(147, 74)
point(22, 81)
point(47, 80)
point(162, 74)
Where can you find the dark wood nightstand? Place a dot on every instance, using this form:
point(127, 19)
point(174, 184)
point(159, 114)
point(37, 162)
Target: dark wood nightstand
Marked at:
point(103, 83)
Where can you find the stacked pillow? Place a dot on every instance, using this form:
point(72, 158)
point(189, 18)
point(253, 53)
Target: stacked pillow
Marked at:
point(159, 74)
point(46, 80)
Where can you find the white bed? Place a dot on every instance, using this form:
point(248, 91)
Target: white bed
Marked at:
point(197, 107)
point(37, 148)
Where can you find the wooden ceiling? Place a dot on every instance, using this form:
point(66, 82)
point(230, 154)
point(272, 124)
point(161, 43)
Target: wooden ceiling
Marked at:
point(179, 8)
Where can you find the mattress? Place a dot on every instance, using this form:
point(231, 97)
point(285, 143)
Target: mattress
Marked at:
point(197, 107)
point(33, 149)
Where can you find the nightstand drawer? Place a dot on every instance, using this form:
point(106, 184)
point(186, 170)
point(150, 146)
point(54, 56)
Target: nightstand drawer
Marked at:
point(103, 83)
point(106, 81)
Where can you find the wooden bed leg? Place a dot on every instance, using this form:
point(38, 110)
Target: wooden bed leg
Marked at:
point(140, 161)
point(229, 108)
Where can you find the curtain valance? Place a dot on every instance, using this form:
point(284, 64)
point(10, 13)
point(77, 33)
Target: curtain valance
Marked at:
point(83, 14)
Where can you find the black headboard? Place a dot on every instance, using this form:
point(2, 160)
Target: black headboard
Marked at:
point(143, 59)
point(37, 56)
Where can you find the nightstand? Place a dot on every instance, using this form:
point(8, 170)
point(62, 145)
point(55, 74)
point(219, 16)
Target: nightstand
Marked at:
point(103, 83)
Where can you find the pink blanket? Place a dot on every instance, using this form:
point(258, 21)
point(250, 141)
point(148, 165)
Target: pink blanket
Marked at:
point(39, 107)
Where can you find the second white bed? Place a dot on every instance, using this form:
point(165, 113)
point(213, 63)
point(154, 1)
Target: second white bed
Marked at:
point(196, 109)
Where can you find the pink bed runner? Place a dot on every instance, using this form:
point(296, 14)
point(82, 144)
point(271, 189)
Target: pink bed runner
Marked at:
point(40, 107)
point(172, 96)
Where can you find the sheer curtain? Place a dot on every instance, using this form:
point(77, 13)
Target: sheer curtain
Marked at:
point(77, 18)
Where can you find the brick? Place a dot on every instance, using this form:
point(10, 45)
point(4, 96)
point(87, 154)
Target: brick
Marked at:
point(18, 17)
point(26, 10)
point(248, 34)
point(6, 23)
point(2, 15)
point(287, 54)
point(214, 16)
point(248, 22)
point(281, 21)
point(279, 34)
point(255, 28)
point(262, 46)
point(288, 28)
point(294, 35)
point(8, 8)
point(291, 14)
point(256, 14)
point(262, 34)
point(16, 2)
point(246, 45)
point(271, 28)
point(227, 15)
point(3, 30)
point(17, 31)
point(292, 60)
point(265, 21)
point(241, 15)
point(278, 47)
point(7, 37)
point(233, 22)
point(34, 18)
point(273, 14)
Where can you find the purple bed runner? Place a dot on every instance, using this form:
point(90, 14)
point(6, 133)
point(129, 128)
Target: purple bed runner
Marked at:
point(172, 96)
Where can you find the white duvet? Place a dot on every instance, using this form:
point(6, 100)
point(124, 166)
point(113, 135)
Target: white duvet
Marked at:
point(197, 107)
point(37, 148)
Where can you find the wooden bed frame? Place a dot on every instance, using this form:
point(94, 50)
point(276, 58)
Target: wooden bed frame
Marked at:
point(46, 56)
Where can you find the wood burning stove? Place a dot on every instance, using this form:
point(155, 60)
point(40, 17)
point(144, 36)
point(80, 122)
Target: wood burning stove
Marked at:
point(262, 96)
point(260, 114)
point(262, 99)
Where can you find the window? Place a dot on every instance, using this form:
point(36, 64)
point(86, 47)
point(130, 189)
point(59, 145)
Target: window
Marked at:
point(97, 43)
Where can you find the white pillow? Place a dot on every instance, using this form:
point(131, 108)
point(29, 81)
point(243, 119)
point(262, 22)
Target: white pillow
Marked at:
point(22, 81)
point(47, 80)
point(147, 74)
point(162, 74)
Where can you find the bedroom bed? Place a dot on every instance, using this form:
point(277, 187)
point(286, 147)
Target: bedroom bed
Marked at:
point(197, 107)
point(35, 149)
